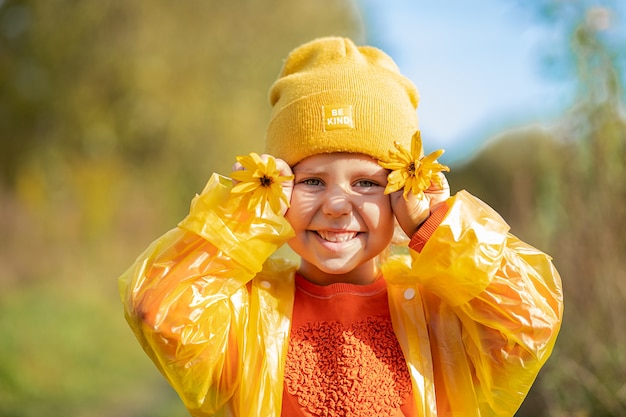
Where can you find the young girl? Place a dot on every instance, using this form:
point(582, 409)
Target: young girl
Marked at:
point(457, 324)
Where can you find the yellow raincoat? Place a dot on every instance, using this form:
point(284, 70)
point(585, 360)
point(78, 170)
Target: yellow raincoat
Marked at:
point(476, 312)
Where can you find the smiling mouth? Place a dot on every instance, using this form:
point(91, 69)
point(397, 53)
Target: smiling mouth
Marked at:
point(336, 237)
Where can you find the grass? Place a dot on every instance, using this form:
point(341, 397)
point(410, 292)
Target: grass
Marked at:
point(65, 348)
point(67, 351)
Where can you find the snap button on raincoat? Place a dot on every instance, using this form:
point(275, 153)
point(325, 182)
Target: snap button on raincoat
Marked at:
point(212, 309)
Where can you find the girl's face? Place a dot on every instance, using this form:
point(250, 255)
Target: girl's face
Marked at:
point(341, 217)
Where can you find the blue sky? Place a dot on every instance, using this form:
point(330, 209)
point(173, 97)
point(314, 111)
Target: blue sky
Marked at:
point(475, 63)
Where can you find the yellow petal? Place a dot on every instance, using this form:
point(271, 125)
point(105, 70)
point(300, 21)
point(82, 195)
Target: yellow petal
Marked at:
point(274, 202)
point(258, 161)
point(247, 162)
point(405, 194)
point(397, 176)
point(283, 197)
point(392, 188)
point(270, 167)
point(256, 199)
point(244, 187)
point(392, 165)
point(403, 155)
point(432, 156)
point(283, 178)
point(243, 176)
point(416, 146)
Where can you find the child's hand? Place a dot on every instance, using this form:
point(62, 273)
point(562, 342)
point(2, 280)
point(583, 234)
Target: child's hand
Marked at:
point(284, 170)
point(414, 211)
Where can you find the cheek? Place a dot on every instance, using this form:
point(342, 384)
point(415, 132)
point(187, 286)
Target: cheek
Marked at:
point(378, 214)
point(301, 207)
point(292, 216)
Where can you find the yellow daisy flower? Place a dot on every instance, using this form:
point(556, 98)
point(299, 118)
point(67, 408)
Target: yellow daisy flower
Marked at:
point(412, 171)
point(260, 182)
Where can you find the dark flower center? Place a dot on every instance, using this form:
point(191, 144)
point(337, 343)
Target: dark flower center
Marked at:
point(266, 181)
point(411, 169)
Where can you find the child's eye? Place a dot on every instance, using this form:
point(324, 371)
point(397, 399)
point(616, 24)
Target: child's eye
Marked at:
point(366, 183)
point(311, 181)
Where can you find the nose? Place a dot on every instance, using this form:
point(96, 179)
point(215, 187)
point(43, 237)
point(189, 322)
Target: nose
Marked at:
point(336, 202)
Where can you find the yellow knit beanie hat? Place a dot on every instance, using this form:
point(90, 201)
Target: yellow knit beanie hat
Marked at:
point(332, 96)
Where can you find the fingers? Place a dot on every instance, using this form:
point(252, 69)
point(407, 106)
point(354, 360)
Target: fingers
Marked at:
point(237, 167)
point(437, 184)
point(414, 211)
point(284, 170)
point(438, 192)
point(410, 212)
point(282, 166)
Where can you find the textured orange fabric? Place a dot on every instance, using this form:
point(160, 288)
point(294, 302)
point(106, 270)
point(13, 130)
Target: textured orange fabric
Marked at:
point(419, 238)
point(344, 358)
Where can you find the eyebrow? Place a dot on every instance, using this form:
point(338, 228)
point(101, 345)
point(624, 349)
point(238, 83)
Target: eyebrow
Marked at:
point(316, 172)
point(312, 171)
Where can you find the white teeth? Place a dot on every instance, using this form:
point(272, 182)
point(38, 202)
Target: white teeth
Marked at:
point(336, 237)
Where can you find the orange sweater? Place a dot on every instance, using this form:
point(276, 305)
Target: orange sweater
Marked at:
point(344, 358)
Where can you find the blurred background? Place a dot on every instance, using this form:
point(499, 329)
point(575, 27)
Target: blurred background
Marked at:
point(113, 114)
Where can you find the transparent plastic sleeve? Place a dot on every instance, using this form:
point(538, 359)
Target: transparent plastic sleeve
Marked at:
point(487, 317)
point(187, 301)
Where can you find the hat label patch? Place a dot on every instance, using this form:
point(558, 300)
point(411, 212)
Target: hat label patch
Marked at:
point(338, 117)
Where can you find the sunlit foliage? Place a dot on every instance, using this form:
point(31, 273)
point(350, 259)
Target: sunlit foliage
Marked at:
point(112, 115)
point(561, 188)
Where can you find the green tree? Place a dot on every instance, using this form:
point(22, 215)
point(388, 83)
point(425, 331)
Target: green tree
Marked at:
point(113, 114)
point(561, 188)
